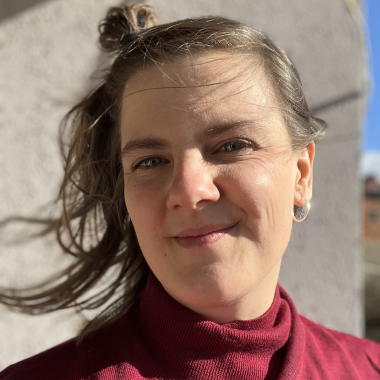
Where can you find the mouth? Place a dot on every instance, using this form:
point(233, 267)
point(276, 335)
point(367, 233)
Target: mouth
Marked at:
point(204, 236)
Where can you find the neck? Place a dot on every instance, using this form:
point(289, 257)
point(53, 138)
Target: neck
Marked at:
point(251, 306)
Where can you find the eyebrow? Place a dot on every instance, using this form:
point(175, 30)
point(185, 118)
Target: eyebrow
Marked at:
point(150, 143)
point(221, 128)
point(144, 143)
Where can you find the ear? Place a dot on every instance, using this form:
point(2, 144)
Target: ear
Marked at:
point(304, 176)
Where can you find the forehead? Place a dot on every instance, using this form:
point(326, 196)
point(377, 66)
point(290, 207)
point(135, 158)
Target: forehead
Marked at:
point(194, 90)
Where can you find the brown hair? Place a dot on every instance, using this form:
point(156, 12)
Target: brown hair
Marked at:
point(94, 226)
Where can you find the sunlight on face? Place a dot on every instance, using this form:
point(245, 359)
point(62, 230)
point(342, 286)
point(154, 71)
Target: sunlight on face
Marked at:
point(209, 177)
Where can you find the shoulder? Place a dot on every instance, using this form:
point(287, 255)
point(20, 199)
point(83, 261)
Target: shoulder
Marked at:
point(40, 366)
point(331, 338)
point(325, 344)
point(98, 354)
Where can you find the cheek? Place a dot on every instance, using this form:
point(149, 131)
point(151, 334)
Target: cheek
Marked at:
point(264, 191)
point(146, 208)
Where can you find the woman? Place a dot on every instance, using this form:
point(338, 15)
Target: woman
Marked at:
point(185, 169)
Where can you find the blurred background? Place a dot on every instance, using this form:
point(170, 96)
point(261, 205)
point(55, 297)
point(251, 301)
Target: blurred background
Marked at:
point(370, 173)
point(48, 52)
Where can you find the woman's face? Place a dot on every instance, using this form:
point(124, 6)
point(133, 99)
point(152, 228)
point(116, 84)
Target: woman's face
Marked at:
point(210, 180)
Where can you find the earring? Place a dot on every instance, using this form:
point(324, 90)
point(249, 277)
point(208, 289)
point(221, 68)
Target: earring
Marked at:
point(299, 214)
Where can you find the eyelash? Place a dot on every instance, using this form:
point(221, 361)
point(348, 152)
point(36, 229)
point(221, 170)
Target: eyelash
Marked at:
point(243, 144)
point(139, 164)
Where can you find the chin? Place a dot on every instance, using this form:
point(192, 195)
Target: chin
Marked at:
point(207, 290)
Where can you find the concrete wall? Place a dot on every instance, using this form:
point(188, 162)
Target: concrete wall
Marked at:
point(46, 56)
point(11, 8)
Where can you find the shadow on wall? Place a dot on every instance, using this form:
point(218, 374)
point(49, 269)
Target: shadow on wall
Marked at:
point(10, 8)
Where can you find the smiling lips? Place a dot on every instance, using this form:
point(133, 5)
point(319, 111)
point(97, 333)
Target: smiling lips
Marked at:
point(200, 237)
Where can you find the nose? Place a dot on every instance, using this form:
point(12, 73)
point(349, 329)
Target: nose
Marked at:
point(193, 184)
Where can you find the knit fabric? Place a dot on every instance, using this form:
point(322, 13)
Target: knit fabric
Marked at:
point(161, 339)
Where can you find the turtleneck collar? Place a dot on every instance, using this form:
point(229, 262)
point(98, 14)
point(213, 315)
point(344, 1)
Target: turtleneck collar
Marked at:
point(189, 346)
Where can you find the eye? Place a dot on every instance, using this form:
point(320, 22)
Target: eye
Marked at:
point(148, 163)
point(233, 146)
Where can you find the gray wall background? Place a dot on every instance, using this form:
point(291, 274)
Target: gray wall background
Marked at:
point(47, 53)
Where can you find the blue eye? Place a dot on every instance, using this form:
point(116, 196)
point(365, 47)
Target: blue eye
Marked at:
point(234, 146)
point(149, 163)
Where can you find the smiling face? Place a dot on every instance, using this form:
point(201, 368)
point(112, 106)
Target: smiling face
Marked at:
point(210, 181)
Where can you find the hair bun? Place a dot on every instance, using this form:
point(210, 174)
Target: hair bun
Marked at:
point(122, 25)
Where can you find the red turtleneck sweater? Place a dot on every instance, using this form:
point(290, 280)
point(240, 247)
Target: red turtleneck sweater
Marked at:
point(161, 339)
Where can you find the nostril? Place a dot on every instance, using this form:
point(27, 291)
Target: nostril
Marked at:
point(193, 184)
point(194, 196)
point(204, 203)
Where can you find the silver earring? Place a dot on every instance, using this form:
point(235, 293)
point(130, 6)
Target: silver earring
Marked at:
point(299, 214)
